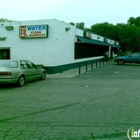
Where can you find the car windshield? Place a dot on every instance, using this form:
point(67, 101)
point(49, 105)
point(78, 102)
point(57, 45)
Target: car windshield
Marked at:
point(9, 64)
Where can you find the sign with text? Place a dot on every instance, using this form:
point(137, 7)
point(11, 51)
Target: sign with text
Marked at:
point(34, 31)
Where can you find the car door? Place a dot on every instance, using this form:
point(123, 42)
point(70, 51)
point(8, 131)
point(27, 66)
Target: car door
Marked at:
point(134, 58)
point(29, 73)
point(36, 73)
point(138, 59)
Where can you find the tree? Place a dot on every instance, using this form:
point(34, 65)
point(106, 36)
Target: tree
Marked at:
point(134, 21)
point(72, 23)
point(137, 21)
point(131, 21)
point(105, 29)
point(128, 35)
point(4, 20)
point(80, 25)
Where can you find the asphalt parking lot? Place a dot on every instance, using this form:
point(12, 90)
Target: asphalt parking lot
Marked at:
point(101, 104)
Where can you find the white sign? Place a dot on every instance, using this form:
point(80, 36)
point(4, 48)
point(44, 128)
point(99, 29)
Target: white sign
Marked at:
point(34, 31)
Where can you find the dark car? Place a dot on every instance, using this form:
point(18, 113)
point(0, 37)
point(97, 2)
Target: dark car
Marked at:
point(132, 58)
point(20, 71)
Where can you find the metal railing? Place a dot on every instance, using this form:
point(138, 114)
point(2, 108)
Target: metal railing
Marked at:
point(94, 63)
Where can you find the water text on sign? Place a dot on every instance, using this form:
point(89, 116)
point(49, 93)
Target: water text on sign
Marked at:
point(30, 28)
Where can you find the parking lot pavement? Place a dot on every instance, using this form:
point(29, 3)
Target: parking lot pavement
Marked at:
point(101, 104)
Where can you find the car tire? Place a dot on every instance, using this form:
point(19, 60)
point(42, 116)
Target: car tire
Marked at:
point(43, 76)
point(21, 81)
point(121, 62)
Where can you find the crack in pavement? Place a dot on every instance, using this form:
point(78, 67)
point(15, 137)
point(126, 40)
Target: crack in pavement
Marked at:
point(37, 112)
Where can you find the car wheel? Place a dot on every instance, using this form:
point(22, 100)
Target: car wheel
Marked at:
point(43, 76)
point(21, 81)
point(121, 62)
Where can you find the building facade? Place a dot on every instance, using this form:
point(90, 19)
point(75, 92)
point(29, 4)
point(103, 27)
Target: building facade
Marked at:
point(54, 44)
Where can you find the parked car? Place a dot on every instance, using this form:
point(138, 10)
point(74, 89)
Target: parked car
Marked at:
point(132, 58)
point(20, 71)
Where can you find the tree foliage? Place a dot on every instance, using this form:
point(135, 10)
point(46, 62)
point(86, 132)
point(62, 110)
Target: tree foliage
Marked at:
point(72, 23)
point(134, 21)
point(128, 35)
point(80, 25)
point(104, 29)
point(131, 21)
point(4, 20)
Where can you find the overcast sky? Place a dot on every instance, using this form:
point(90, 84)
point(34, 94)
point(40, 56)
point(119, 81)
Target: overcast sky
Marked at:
point(88, 11)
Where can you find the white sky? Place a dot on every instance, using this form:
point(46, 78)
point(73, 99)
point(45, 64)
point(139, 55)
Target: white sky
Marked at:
point(88, 11)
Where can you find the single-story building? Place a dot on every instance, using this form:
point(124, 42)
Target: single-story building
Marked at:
point(54, 44)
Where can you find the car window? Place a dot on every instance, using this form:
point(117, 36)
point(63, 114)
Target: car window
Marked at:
point(31, 65)
point(24, 65)
point(13, 64)
point(9, 64)
point(134, 54)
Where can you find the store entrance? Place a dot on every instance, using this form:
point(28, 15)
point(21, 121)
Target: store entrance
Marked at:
point(4, 53)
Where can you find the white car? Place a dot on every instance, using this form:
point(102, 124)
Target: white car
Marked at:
point(20, 71)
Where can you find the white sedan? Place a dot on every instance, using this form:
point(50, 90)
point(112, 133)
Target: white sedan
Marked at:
point(20, 71)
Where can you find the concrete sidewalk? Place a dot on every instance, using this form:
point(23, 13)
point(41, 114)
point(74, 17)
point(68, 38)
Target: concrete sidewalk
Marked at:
point(75, 72)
